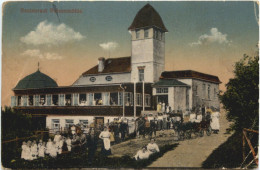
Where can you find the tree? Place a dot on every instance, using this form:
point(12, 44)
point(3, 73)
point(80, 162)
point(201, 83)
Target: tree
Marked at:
point(241, 97)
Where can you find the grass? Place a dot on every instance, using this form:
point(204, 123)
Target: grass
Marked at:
point(80, 160)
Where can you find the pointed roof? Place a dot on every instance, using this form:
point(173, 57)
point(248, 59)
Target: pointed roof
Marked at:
point(34, 81)
point(147, 17)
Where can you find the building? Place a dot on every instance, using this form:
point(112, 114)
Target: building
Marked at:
point(107, 90)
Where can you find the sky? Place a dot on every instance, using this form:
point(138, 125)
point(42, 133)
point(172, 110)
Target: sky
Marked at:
point(208, 37)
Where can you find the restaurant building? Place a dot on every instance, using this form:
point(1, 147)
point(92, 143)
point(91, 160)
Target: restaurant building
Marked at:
point(107, 90)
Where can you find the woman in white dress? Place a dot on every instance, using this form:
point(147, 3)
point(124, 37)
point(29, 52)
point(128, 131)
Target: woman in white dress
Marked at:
point(142, 154)
point(23, 154)
point(105, 136)
point(34, 150)
point(41, 149)
point(60, 144)
point(68, 141)
point(152, 147)
point(48, 146)
point(28, 153)
point(215, 121)
point(53, 150)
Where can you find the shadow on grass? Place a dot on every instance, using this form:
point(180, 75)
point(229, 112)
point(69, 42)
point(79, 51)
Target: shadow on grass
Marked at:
point(229, 154)
point(80, 160)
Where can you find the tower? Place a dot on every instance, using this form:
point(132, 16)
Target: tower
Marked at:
point(148, 45)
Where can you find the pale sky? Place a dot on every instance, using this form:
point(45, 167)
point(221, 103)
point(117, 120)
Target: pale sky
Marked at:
point(203, 36)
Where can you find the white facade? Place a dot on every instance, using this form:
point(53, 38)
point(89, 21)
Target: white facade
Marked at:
point(148, 52)
point(103, 79)
point(202, 93)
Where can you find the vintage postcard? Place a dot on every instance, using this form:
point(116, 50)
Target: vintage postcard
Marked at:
point(130, 84)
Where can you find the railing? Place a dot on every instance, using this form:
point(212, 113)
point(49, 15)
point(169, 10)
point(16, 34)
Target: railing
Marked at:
point(252, 149)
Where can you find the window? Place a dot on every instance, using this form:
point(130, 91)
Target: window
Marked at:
point(37, 100)
point(196, 90)
point(98, 99)
point(55, 99)
point(19, 100)
point(68, 100)
point(215, 92)
point(155, 34)
point(139, 101)
point(147, 100)
point(48, 99)
point(141, 74)
point(204, 91)
point(55, 124)
point(75, 99)
point(69, 122)
point(83, 99)
point(137, 34)
point(61, 100)
point(84, 123)
point(146, 33)
point(208, 91)
point(161, 90)
point(24, 99)
point(128, 99)
point(42, 100)
point(114, 99)
point(30, 100)
point(159, 36)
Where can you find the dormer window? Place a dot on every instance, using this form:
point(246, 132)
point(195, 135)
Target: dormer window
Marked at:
point(137, 34)
point(146, 33)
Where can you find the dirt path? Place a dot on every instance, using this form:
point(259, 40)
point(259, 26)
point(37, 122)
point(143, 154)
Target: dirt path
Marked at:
point(192, 153)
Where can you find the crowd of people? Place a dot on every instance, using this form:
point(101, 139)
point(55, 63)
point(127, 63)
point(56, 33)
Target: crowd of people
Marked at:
point(114, 132)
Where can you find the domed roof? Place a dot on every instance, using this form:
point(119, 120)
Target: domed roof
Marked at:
point(147, 17)
point(35, 80)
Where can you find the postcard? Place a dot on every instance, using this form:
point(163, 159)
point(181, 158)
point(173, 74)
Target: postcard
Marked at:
point(130, 84)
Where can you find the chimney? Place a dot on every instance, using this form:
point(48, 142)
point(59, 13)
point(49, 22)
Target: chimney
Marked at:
point(101, 64)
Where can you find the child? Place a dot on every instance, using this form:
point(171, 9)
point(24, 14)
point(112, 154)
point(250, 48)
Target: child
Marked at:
point(48, 146)
point(34, 150)
point(23, 154)
point(41, 148)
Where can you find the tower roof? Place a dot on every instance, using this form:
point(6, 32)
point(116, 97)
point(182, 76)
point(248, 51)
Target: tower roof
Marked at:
point(147, 17)
point(35, 80)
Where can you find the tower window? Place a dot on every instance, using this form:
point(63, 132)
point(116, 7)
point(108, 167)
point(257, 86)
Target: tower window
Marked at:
point(146, 33)
point(208, 91)
point(137, 34)
point(159, 35)
point(141, 74)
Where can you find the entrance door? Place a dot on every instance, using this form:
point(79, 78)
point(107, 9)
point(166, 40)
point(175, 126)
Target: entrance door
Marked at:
point(162, 99)
point(99, 122)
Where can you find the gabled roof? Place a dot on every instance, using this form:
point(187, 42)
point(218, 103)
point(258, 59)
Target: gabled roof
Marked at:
point(169, 83)
point(185, 74)
point(112, 65)
point(147, 17)
point(35, 80)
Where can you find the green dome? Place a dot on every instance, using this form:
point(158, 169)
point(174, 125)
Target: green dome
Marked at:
point(35, 80)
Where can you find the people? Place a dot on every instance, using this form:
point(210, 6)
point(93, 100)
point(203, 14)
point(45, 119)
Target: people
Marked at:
point(152, 147)
point(34, 150)
point(105, 136)
point(68, 142)
point(215, 121)
point(53, 149)
point(142, 154)
point(57, 137)
point(41, 149)
point(23, 154)
point(49, 146)
point(91, 145)
point(60, 144)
